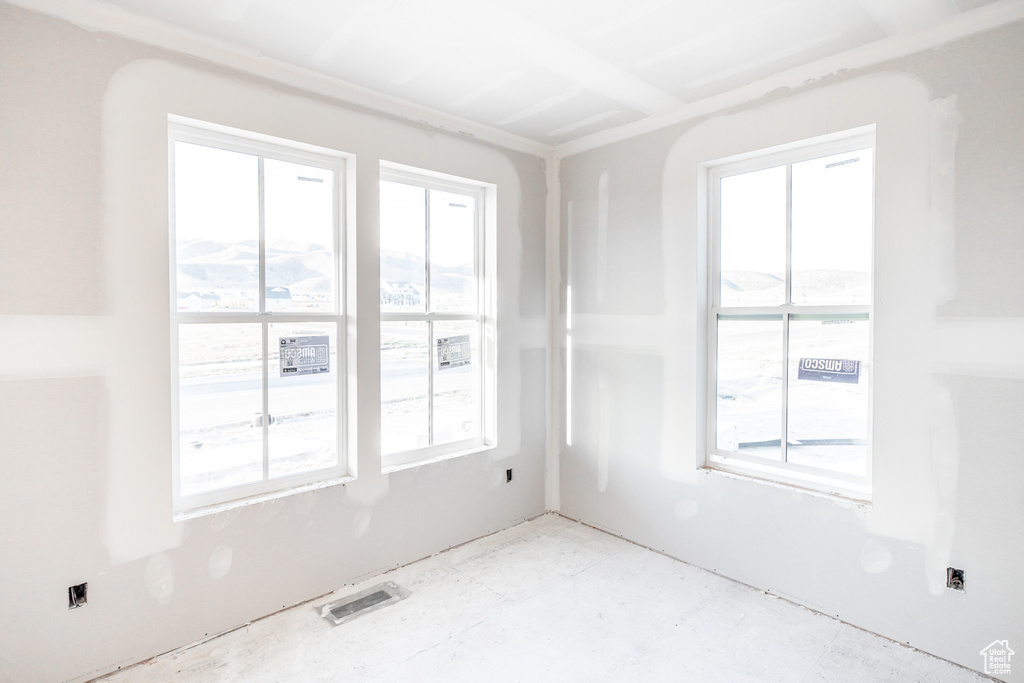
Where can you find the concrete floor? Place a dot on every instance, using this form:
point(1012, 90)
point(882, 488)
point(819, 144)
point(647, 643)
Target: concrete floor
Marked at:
point(552, 600)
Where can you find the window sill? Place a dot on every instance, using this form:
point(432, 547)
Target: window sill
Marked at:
point(818, 486)
point(428, 458)
point(213, 509)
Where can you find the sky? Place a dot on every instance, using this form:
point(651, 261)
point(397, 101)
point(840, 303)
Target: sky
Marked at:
point(217, 198)
point(832, 216)
point(402, 214)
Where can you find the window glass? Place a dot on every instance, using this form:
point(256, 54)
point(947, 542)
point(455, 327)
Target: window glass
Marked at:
point(431, 323)
point(753, 238)
point(220, 405)
point(832, 219)
point(256, 232)
point(452, 252)
point(299, 233)
point(790, 314)
point(404, 386)
point(828, 393)
point(216, 228)
point(456, 368)
point(750, 387)
point(403, 244)
point(303, 397)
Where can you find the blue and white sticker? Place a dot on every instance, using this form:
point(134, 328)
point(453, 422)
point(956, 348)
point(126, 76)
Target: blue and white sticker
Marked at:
point(305, 355)
point(829, 370)
point(452, 351)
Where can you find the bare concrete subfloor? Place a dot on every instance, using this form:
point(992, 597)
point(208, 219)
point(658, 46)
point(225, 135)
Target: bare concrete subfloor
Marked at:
point(552, 600)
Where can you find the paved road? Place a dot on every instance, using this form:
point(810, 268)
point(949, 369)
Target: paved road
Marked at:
point(210, 401)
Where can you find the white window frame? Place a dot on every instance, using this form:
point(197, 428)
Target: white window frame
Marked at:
point(181, 129)
point(484, 195)
point(814, 479)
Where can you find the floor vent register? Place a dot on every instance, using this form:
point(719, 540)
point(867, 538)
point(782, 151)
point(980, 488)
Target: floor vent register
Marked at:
point(366, 601)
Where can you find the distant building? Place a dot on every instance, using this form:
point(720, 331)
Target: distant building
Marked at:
point(279, 293)
point(197, 301)
point(399, 294)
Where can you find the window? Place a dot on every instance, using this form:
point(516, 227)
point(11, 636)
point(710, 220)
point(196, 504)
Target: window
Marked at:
point(436, 337)
point(790, 316)
point(256, 316)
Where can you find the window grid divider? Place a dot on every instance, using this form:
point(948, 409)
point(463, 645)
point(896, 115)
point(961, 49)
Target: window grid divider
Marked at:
point(264, 329)
point(334, 163)
point(428, 306)
point(786, 311)
point(784, 440)
point(476, 191)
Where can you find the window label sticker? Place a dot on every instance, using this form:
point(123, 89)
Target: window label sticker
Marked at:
point(452, 351)
point(305, 355)
point(829, 370)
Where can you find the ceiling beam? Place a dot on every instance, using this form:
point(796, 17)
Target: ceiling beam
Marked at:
point(553, 53)
point(895, 17)
point(984, 18)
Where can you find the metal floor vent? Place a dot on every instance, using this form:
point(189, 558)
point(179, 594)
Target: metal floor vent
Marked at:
point(363, 602)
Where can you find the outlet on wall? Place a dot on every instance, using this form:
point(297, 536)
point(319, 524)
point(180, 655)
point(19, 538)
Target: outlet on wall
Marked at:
point(955, 579)
point(77, 595)
point(508, 476)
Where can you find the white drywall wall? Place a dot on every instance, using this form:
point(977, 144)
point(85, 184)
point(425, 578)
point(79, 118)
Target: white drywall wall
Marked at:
point(84, 375)
point(948, 477)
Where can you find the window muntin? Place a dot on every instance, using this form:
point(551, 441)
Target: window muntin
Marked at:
point(789, 316)
point(432, 317)
point(255, 273)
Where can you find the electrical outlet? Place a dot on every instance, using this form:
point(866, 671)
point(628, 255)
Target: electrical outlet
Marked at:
point(77, 595)
point(955, 579)
point(508, 476)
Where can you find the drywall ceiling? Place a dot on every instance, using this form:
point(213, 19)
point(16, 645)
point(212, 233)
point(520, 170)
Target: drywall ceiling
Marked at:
point(549, 70)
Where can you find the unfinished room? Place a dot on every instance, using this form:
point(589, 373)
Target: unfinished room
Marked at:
point(493, 340)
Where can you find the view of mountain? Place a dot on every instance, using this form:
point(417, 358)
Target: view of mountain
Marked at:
point(215, 270)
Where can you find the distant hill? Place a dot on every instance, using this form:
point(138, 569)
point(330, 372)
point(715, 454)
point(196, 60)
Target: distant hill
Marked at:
point(401, 267)
point(208, 266)
point(842, 286)
point(211, 266)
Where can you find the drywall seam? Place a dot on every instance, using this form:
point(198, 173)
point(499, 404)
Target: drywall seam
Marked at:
point(138, 99)
point(979, 20)
point(555, 327)
point(93, 15)
point(48, 354)
point(788, 598)
point(913, 139)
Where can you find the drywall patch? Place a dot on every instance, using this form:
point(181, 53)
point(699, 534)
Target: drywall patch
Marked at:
point(221, 520)
point(875, 558)
point(686, 509)
point(159, 578)
point(138, 100)
point(915, 214)
point(361, 522)
point(220, 562)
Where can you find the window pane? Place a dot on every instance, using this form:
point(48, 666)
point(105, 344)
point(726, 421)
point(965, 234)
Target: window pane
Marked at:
point(754, 238)
point(303, 397)
point(220, 405)
point(403, 240)
point(404, 388)
point(832, 219)
point(828, 394)
point(298, 222)
point(216, 228)
point(750, 387)
point(456, 368)
point(452, 252)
